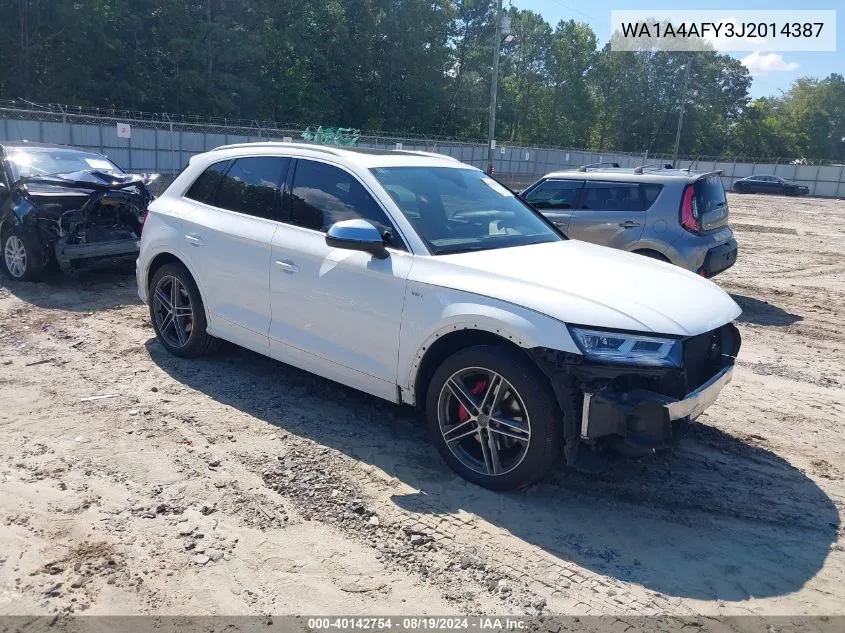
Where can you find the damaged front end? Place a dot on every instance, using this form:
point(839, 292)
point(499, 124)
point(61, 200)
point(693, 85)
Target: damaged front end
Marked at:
point(641, 409)
point(83, 219)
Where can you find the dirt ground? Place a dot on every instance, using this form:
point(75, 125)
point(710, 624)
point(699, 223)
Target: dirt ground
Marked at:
point(135, 482)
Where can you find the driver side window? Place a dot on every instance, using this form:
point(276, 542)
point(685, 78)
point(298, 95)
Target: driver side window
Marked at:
point(555, 194)
point(323, 194)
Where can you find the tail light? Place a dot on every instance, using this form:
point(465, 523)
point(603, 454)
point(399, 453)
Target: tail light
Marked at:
point(143, 219)
point(689, 211)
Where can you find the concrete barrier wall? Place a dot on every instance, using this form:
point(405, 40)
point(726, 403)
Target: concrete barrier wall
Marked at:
point(159, 146)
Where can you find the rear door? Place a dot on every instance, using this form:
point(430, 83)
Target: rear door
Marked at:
point(228, 240)
point(609, 213)
point(556, 199)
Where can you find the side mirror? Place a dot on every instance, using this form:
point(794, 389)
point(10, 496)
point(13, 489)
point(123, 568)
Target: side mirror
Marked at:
point(357, 235)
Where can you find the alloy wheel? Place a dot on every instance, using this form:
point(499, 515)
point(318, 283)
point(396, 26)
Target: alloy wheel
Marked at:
point(14, 253)
point(173, 311)
point(484, 421)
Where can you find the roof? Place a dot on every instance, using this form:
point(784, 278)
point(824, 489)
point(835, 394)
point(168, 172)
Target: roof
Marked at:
point(632, 174)
point(363, 156)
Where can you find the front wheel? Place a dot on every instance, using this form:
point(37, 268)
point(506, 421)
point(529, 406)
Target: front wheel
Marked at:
point(21, 259)
point(493, 417)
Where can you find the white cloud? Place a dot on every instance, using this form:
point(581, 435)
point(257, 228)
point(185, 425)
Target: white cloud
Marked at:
point(760, 63)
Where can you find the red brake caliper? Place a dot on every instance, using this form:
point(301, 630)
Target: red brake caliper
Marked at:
point(477, 389)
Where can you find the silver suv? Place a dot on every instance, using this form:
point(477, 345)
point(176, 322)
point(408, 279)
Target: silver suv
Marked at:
point(675, 215)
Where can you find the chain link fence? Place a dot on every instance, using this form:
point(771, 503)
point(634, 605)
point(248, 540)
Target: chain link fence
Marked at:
point(163, 143)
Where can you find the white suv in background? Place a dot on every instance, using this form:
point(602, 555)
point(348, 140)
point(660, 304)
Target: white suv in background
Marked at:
point(420, 280)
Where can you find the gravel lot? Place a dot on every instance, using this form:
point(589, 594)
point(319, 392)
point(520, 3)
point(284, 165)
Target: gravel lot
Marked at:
point(237, 485)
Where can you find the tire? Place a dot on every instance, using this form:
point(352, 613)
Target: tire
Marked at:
point(184, 335)
point(20, 257)
point(525, 401)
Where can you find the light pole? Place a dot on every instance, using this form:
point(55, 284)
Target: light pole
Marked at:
point(497, 44)
point(681, 115)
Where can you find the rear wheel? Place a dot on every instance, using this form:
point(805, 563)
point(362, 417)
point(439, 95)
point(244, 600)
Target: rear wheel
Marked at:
point(177, 313)
point(22, 259)
point(493, 417)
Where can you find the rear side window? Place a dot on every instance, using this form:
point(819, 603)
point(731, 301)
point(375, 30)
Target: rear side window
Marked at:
point(251, 186)
point(555, 194)
point(612, 196)
point(650, 192)
point(709, 194)
point(205, 187)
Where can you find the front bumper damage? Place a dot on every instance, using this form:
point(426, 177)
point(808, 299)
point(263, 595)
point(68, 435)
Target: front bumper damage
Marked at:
point(643, 408)
point(645, 419)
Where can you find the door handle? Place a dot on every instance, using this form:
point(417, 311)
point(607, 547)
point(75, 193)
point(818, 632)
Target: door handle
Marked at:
point(287, 266)
point(628, 224)
point(194, 239)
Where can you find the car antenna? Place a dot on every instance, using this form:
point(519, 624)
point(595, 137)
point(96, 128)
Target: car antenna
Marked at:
point(695, 162)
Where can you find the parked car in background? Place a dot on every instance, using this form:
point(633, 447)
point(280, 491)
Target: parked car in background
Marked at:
point(674, 215)
point(770, 184)
point(420, 280)
point(66, 207)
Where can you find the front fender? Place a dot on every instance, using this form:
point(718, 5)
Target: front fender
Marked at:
point(18, 214)
point(431, 313)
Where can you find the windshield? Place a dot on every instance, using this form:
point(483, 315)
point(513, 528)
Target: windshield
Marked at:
point(456, 210)
point(32, 162)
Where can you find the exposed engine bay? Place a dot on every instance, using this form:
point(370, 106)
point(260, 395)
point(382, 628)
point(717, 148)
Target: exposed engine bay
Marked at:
point(85, 217)
point(106, 217)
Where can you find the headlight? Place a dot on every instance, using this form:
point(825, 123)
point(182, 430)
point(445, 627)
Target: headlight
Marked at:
point(628, 349)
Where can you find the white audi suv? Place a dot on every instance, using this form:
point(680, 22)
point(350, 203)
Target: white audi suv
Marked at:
point(421, 280)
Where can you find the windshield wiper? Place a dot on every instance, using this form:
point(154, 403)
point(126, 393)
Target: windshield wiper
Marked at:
point(462, 249)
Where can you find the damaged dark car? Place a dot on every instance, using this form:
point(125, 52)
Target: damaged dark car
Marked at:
point(63, 208)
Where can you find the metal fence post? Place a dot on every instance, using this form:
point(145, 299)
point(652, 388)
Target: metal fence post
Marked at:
point(155, 149)
point(841, 180)
point(64, 126)
point(172, 146)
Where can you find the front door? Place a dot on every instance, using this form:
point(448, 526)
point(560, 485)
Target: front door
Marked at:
point(609, 213)
point(336, 312)
point(555, 199)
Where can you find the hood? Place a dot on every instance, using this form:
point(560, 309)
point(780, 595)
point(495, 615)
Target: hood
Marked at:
point(584, 284)
point(85, 181)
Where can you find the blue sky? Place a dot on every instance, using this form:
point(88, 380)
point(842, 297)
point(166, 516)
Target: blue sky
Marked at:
point(771, 72)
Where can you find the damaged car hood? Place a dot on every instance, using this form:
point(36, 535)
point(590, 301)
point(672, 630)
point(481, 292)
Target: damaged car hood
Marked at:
point(585, 284)
point(85, 181)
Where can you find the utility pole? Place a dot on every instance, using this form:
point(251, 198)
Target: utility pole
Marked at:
point(497, 44)
point(681, 115)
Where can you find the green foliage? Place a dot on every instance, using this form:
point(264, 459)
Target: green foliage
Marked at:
point(421, 66)
point(346, 136)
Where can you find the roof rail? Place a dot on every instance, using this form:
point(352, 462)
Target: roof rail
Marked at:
point(650, 166)
point(597, 165)
point(316, 148)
